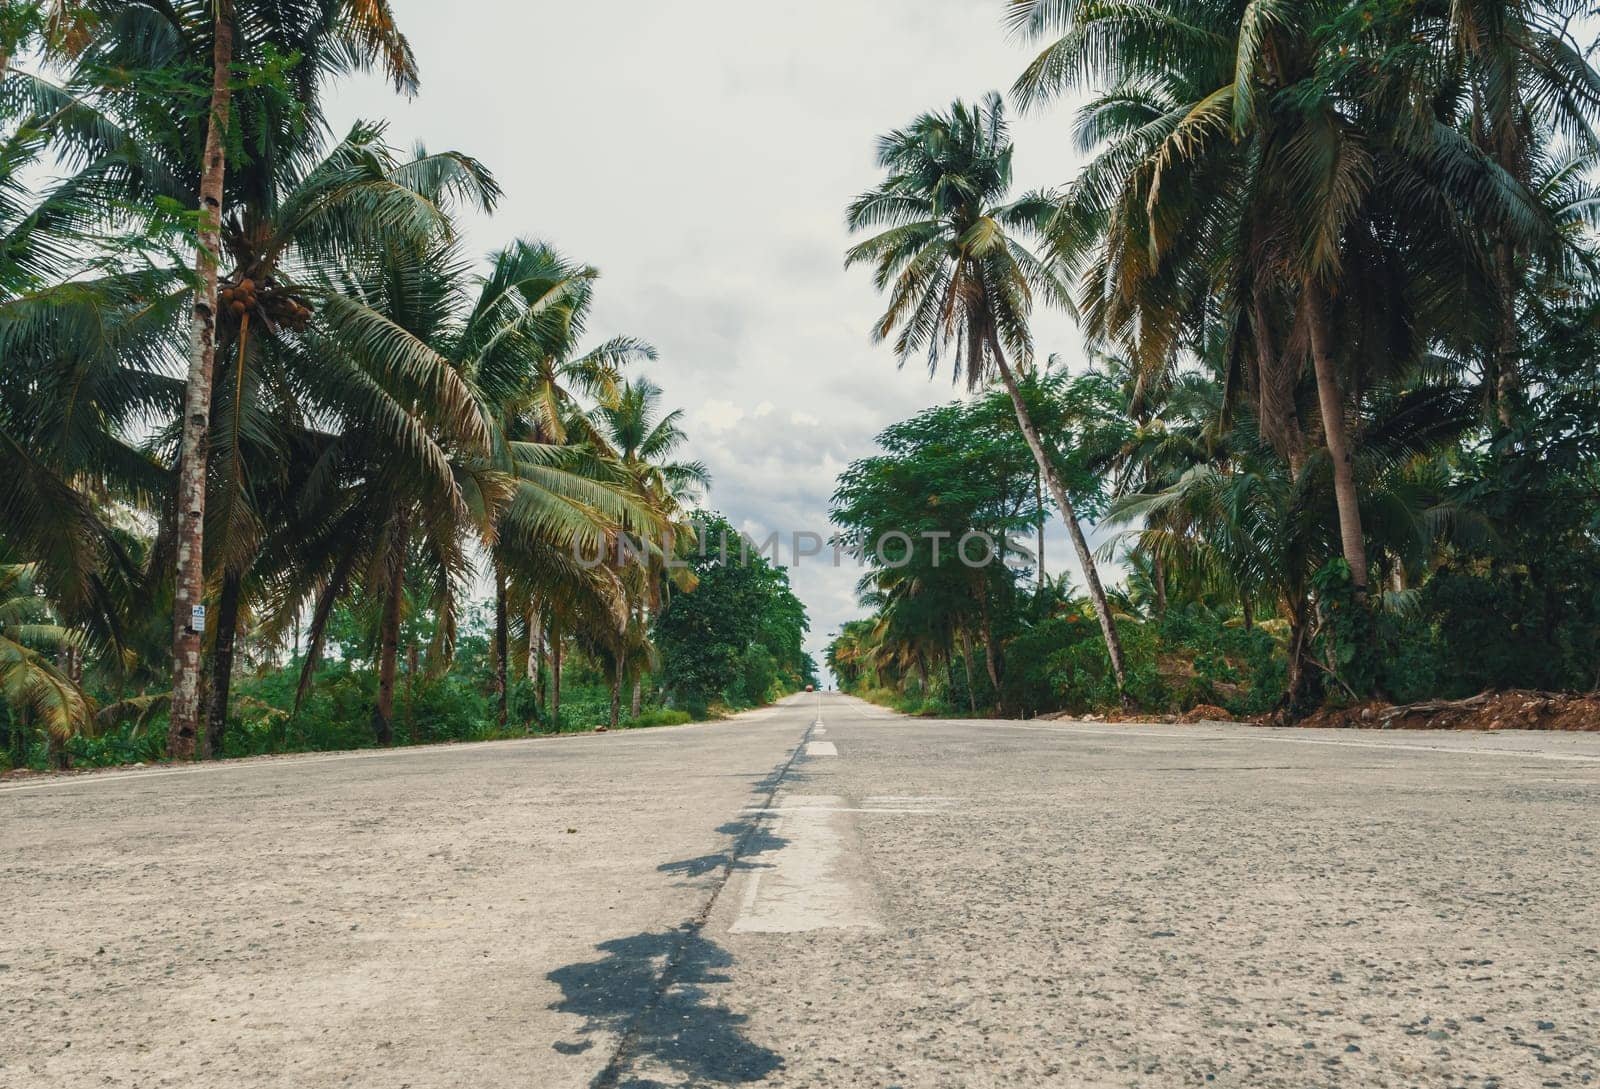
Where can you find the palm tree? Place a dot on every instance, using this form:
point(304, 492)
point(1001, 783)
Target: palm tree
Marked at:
point(33, 691)
point(646, 442)
point(1525, 75)
point(522, 349)
point(325, 39)
point(958, 279)
point(323, 214)
point(85, 335)
point(1291, 159)
point(409, 343)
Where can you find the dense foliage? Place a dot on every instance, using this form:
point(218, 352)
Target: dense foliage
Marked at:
point(738, 638)
point(1338, 265)
point(269, 430)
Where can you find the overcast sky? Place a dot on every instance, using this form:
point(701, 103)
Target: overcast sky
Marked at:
point(700, 153)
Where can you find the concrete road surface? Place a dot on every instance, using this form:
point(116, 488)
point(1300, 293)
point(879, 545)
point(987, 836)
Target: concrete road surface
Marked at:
point(872, 901)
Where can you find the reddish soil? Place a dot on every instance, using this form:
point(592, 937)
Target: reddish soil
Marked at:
point(1516, 709)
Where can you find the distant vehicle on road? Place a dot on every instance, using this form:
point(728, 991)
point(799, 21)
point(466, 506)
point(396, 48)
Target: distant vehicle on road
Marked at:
point(811, 688)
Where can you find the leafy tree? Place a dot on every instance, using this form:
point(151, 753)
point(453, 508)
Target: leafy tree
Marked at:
point(716, 642)
point(951, 484)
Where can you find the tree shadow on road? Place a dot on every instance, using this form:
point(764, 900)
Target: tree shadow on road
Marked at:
point(751, 836)
point(681, 1029)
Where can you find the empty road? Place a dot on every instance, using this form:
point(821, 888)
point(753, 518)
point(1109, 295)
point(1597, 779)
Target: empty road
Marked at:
point(817, 894)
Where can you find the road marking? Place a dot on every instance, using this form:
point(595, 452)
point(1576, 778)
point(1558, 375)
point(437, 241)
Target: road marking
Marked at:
point(821, 748)
point(1134, 731)
point(806, 884)
point(758, 811)
point(751, 891)
point(820, 730)
point(911, 799)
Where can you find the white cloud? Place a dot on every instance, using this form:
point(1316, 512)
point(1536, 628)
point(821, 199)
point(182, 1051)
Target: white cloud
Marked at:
point(717, 415)
point(763, 409)
point(803, 419)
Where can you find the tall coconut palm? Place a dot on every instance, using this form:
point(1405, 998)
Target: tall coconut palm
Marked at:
point(1526, 78)
point(324, 39)
point(522, 347)
point(86, 335)
point(403, 478)
point(646, 441)
point(323, 213)
point(425, 466)
point(960, 279)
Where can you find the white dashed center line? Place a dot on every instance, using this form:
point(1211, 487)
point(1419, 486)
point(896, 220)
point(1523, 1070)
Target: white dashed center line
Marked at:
point(808, 883)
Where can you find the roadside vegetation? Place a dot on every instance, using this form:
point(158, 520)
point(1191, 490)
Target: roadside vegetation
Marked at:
point(271, 433)
point(1336, 264)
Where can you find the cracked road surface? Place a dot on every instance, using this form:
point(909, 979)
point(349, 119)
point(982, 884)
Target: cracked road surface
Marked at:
point(817, 894)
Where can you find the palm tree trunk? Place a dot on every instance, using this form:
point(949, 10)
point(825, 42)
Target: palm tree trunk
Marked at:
point(1038, 495)
point(222, 664)
point(1091, 573)
point(638, 696)
point(190, 589)
point(990, 661)
point(616, 690)
point(555, 679)
point(530, 624)
point(1159, 570)
point(1335, 433)
point(1275, 386)
point(389, 632)
point(411, 691)
point(540, 692)
point(1298, 630)
point(966, 661)
point(1508, 378)
point(502, 647)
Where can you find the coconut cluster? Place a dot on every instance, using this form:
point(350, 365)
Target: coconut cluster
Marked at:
point(279, 306)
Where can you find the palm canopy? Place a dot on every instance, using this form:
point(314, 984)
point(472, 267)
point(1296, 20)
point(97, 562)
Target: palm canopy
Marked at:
point(30, 684)
point(959, 279)
point(271, 419)
point(1303, 173)
point(646, 441)
point(88, 317)
point(534, 370)
point(1245, 150)
point(294, 49)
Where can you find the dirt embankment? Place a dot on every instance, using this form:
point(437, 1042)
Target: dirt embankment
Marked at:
point(1516, 709)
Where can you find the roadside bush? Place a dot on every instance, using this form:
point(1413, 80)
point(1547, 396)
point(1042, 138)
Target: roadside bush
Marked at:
point(660, 717)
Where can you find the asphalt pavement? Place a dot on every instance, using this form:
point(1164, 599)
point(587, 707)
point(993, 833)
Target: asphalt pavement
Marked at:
point(820, 893)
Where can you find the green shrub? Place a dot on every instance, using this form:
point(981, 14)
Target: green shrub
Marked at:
point(663, 716)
